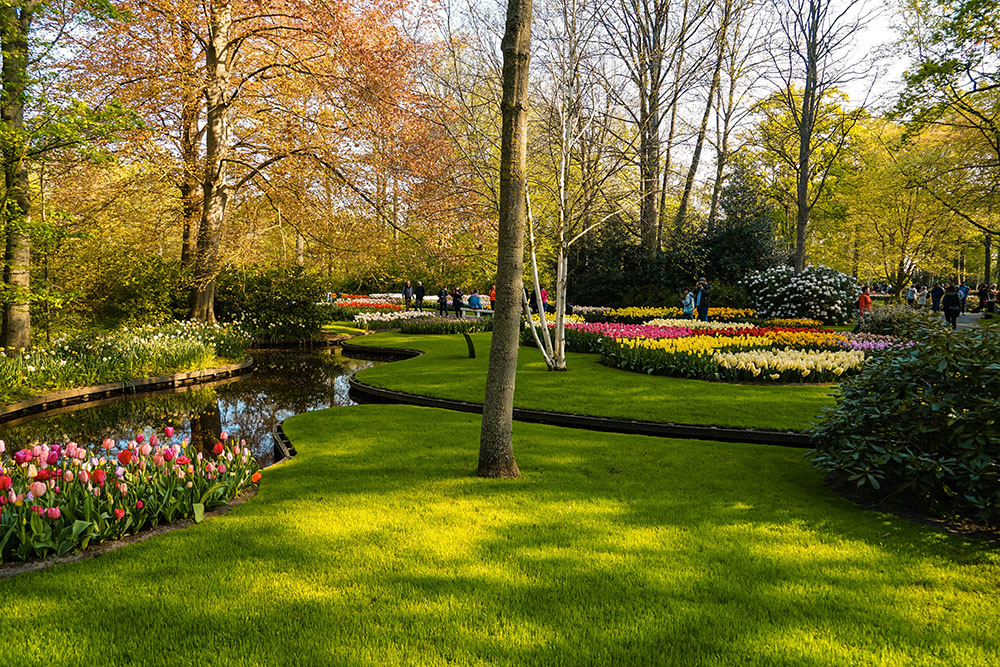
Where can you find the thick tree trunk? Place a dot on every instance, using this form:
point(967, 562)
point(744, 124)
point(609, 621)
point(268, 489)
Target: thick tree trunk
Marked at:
point(215, 192)
point(496, 445)
point(14, 27)
point(649, 168)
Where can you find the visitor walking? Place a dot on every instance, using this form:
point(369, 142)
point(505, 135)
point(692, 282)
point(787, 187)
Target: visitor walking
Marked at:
point(864, 308)
point(532, 301)
point(911, 296)
point(545, 298)
point(407, 294)
point(952, 306)
point(456, 301)
point(418, 295)
point(493, 297)
point(687, 304)
point(936, 294)
point(963, 293)
point(443, 302)
point(702, 297)
point(922, 298)
point(984, 296)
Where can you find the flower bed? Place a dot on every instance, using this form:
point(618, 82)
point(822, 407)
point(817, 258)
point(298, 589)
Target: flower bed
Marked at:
point(446, 325)
point(55, 499)
point(637, 315)
point(120, 356)
point(388, 320)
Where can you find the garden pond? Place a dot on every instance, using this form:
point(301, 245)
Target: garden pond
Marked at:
point(283, 383)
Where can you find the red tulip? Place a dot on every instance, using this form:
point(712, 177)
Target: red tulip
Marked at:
point(52, 458)
point(5, 482)
point(119, 513)
point(125, 456)
point(169, 431)
point(99, 477)
point(218, 448)
point(42, 475)
point(183, 460)
point(168, 454)
point(256, 477)
point(139, 438)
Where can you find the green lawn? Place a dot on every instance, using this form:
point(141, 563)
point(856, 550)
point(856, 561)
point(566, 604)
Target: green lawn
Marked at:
point(342, 328)
point(376, 546)
point(589, 388)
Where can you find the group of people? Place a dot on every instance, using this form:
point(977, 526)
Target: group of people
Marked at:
point(413, 297)
point(918, 296)
point(696, 302)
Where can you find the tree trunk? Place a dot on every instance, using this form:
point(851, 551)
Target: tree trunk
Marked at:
point(988, 268)
point(14, 27)
point(702, 129)
point(649, 168)
point(496, 445)
point(810, 103)
point(215, 192)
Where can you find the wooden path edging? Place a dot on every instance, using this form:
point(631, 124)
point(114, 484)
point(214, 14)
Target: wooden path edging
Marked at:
point(41, 404)
point(605, 424)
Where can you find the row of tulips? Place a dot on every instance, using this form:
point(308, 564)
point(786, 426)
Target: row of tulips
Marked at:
point(55, 499)
point(733, 359)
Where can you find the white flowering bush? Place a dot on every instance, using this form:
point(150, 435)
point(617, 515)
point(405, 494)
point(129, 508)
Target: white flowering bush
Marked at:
point(818, 293)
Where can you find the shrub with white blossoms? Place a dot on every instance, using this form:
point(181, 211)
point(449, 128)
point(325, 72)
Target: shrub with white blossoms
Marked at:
point(818, 293)
point(388, 320)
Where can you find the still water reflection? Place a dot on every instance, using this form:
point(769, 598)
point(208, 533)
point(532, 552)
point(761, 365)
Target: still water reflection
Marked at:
point(283, 383)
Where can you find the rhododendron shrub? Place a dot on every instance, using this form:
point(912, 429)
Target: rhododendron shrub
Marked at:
point(817, 293)
point(56, 498)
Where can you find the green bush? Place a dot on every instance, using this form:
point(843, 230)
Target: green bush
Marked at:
point(150, 291)
point(923, 420)
point(901, 320)
point(446, 325)
point(273, 304)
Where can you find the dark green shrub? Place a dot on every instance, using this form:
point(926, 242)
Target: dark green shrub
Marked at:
point(924, 420)
point(150, 291)
point(901, 320)
point(273, 304)
point(446, 325)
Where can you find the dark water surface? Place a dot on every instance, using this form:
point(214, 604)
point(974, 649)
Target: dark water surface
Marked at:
point(283, 383)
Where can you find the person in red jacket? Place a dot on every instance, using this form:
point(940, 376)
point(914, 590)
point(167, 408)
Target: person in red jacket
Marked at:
point(864, 307)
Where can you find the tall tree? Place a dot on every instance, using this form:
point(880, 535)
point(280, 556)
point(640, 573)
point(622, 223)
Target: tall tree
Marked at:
point(813, 58)
point(496, 444)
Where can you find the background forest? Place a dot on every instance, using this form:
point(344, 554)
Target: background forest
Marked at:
point(161, 156)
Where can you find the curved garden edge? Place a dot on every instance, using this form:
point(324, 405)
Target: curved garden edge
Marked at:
point(606, 424)
point(41, 404)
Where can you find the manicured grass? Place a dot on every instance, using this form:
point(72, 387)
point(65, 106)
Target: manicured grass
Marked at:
point(589, 388)
point(341, 328)
point(376, 546)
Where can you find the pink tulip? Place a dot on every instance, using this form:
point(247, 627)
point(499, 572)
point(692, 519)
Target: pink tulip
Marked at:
point(224, 436)
point(52, 458)
point(53, 512)
point(169, 431)
point(3, 446)
point(158, 459)
point(154, 441)
point(168, 454)
point(84, 476)
point(139, 438)
point(146, 448)
point(22, 456)
point(108, 443)
point(68, 476)
point(38, 489)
